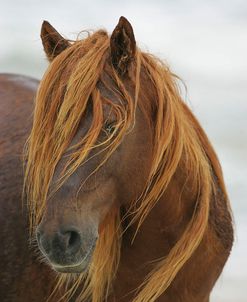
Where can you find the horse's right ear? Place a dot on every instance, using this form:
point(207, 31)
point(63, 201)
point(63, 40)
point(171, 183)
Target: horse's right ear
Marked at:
point(53, 42)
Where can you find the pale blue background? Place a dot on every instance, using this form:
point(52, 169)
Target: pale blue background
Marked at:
point(204, 42)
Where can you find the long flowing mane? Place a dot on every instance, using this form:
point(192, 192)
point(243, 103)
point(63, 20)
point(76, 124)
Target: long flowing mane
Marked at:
point(68, 87)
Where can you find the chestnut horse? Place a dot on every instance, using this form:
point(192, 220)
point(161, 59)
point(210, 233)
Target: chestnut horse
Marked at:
point(125, 193)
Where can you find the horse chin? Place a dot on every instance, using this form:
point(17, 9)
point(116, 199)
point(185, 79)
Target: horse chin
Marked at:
point(73, 269)
point(76, 268)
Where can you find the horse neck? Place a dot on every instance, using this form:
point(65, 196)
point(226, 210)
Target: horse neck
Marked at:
point(171, 212)
point(164, 226)
point(159, 232)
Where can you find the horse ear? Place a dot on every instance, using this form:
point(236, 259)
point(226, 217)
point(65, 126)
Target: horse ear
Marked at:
point(53, 42)
point(123, 46)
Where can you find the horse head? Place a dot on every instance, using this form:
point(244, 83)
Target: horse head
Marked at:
point(109, 150)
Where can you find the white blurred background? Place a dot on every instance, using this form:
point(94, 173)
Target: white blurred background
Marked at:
point(204, 42)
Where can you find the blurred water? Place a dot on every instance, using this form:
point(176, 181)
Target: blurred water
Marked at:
point(205, 43)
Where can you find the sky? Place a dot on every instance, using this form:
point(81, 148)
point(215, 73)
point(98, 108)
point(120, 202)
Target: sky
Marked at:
point(204, 42)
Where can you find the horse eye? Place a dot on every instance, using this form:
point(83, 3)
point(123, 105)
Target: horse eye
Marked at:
point(109, 128)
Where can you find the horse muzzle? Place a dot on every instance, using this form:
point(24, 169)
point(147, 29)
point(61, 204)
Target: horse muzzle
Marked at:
point(68, 250)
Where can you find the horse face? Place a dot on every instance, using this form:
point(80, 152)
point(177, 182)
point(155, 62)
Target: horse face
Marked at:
point(77, 213)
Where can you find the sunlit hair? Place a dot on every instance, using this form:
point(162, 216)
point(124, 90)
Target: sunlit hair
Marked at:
point(68, 87)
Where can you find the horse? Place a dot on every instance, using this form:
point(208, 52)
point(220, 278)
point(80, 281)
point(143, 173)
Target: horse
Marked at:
point(124, 195)
point(22, 276)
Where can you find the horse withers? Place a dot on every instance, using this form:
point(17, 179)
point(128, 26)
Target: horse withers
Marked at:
point(125, 194)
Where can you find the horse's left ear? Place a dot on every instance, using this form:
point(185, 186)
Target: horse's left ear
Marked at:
point(53, 42)
point(123, 46)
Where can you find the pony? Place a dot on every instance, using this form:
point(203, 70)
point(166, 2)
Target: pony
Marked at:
point(125, 194)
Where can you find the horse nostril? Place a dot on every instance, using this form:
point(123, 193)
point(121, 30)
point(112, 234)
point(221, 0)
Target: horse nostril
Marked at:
point(74, 238)
point(70, 240)
point(61, 246)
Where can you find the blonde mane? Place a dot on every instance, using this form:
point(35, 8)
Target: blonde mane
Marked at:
point(62, 98)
